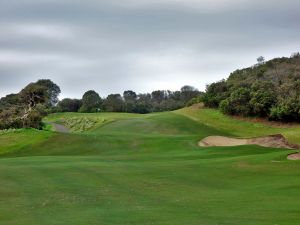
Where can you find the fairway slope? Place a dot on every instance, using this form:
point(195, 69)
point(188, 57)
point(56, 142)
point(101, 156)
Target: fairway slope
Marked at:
point(128, 169)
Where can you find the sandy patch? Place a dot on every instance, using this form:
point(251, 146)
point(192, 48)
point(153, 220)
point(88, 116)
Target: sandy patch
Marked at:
point(60, 128)
point(274, 141)
point(295, 156)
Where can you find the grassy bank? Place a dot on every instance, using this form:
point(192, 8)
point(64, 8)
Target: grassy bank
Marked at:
point(214, 118)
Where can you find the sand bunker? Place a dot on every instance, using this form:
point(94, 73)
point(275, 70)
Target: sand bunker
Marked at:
point(274, 141)
point(295, 156)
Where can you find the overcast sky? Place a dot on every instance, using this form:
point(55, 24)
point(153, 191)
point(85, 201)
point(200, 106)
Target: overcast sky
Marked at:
point(144, 45)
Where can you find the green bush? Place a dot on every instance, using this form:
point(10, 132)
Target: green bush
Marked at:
point(263, 97)
point(270, 90)
point(215, 93)
point(238, 102)
point(225, 107)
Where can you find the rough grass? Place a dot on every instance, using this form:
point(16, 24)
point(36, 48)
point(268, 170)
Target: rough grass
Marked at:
point(81, 122)
point(216, 119)
point(147, 170)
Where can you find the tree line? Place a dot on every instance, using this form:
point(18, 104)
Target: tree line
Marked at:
point(130, 101)
point(36, 100)
point(268, 89)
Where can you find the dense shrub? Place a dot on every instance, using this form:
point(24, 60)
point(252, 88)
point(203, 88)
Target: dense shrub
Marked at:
point(33, 120)
point(263, 97)
point(238, 102)
point(268, 89)
point(69, 105)
point(27, 108)
point(286, 111)
point(215, 93)
point(9, 118)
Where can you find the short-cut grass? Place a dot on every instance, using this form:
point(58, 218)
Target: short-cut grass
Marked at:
point(147, 169)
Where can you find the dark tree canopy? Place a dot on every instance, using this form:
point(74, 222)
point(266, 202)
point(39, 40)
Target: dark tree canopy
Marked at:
point(130, 100)
point(158, 96)
point(34, 94)
point(53, 90)
point(144, 104)
point(188, 92)
point(27, 108)
point(91, 102)
point(129, 96)
point(8, 101)
point(114, 103)
point(69, 105)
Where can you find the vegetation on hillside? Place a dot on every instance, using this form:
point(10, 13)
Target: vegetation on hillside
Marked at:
point(268, 89)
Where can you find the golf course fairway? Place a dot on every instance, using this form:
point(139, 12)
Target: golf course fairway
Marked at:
point(129, 169)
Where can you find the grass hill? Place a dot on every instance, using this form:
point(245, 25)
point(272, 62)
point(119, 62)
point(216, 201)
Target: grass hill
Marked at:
point(146, 169)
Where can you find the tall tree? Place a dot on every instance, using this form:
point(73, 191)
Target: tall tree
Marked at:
point(144, 104)
point(114, 103)
point(158, 96)
point(53, 91)
point(188, 92)
point(91, 102)
point(69, 105)
point(130, 98)
point(32, 95)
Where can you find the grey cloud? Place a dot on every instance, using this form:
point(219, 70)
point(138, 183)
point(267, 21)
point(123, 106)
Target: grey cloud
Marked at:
point(143, 45)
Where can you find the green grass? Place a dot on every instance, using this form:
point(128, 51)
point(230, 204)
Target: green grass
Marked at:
point(147, 169)
point(17, 140)
point(215, 118)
